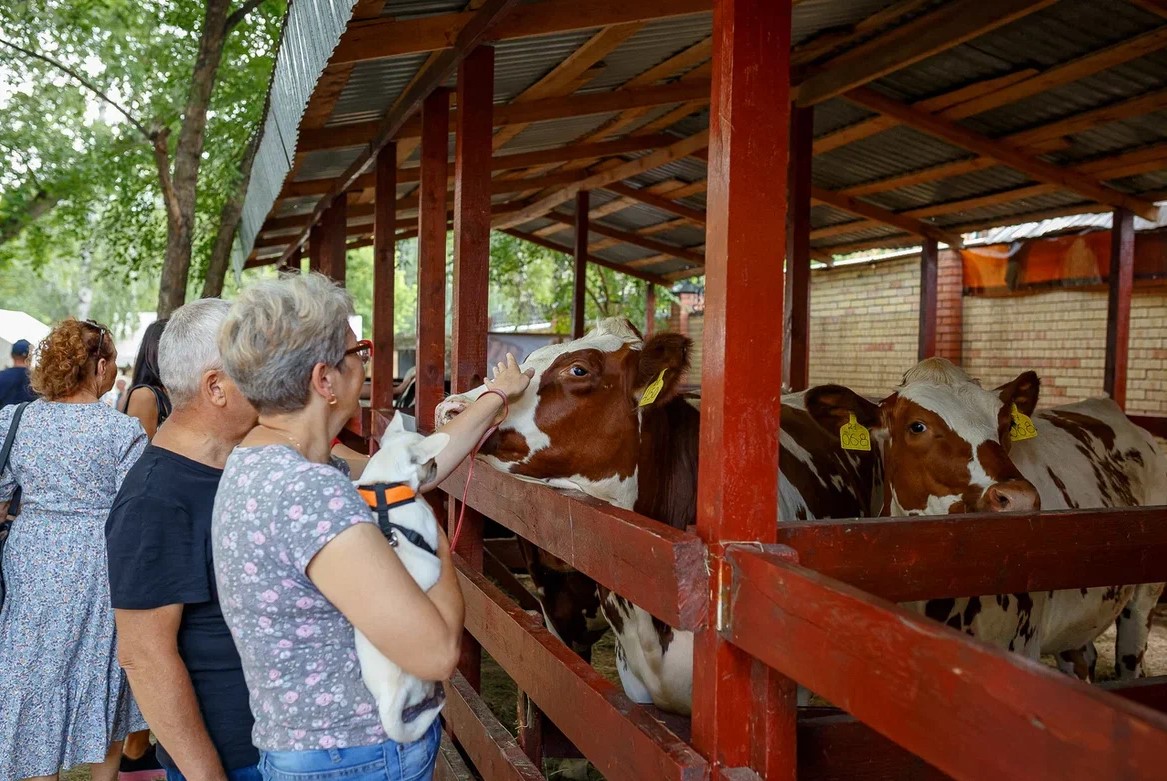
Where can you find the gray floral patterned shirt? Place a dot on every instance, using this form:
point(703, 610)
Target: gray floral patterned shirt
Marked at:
point(274, 511)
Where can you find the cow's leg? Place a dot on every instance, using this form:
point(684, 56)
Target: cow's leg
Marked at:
point(633, 686)
point(1134, 624)
point(1080, 663)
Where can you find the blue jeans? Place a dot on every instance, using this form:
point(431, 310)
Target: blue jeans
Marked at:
point(249, 773)
point(388, 761)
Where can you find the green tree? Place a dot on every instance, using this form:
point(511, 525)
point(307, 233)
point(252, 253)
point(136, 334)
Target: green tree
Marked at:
point(111, 106)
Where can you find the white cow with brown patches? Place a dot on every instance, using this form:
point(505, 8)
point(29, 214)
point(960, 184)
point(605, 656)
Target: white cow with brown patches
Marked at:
point(947, 447)
point(587, 423)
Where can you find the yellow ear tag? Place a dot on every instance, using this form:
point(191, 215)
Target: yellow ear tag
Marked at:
point(1022, 427)
point(855, 436)
point(653, 390)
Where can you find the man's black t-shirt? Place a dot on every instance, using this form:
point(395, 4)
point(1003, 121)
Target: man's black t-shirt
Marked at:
point(14, 387)
point(158, 538)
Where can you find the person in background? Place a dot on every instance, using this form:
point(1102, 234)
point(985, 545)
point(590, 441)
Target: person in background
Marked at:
point(148, 401)
point(299, 561)
point(64, 699)
point(14, 387)
point(172, 639)
point(120, 388)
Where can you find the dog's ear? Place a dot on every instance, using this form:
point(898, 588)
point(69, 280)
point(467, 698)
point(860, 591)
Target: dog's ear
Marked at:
point(425, 452)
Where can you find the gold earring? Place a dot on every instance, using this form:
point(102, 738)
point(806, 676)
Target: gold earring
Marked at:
point(332, 402)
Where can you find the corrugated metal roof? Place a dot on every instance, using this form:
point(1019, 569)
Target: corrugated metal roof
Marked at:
point(1055, 35)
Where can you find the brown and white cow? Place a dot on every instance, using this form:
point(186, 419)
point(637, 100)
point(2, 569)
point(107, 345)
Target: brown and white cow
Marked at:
point(946, 447)
point(581, 426)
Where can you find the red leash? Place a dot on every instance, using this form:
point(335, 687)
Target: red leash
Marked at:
point(506, 410)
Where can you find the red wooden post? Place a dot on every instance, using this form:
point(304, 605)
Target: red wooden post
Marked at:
point(581, 264)
point(315, 248)
point(742, 371)
point(431, 250)
point(384, 269)
point(334, 231)
point(649, 310)
point(1118, 310)
point(929, 279)
point(292, 264)
point(472, 153)
point(797, 331)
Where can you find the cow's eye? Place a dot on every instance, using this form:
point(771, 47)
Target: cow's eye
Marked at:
point(579, 371)
point(917, 427)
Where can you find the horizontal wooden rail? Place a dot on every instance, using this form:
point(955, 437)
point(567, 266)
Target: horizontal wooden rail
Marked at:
point(972, 711)
point(619, 737)
point(492, 749)
point(1156, 424)
point(661, 569)
point(903, 559)
point(450, 766)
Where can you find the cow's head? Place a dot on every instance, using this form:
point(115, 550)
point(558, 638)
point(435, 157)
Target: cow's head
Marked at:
point(944, 439)
point(578, 424)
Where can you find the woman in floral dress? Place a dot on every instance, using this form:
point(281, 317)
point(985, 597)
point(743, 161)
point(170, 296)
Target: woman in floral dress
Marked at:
point(64, 699)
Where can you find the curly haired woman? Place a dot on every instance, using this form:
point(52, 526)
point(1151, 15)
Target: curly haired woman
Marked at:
point(64, 699)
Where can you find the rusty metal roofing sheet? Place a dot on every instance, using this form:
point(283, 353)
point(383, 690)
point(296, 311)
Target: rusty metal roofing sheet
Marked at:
point(654, 43)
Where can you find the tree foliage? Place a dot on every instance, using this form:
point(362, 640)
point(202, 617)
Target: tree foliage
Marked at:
point(76, 176)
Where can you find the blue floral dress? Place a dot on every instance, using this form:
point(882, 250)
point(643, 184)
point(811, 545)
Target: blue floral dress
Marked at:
point(63, 696)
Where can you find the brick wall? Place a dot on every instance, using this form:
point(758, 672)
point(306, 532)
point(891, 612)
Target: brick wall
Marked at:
point(1061, 335)
point(865, 319)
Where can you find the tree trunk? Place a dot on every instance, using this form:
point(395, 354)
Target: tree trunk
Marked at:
point(187, 157)
point(228, 223)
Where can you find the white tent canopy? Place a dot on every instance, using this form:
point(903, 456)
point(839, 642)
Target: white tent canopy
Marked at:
point(15, 326)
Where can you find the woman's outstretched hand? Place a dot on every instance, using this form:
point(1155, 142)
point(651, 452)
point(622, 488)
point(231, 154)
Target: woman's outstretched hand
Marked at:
point(510, 379)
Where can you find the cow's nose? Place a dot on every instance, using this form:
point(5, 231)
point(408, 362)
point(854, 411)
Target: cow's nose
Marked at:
point(1010, 496)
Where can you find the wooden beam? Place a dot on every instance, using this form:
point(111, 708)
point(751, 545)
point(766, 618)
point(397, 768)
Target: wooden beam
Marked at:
point(1150, 158)
point(649, 310)
point(676, 151)
point(743, 716)
point(681, 253)
point(623, 268)
point(583, 703)
point(384, 277)
point(472, 154)
point(938, 706)
point(796, 313)
point(948, 26)
point(570, 73)
point(1026, 140)
point(431, 251)
point(904, 223)
point(1157, 7)
point(877, 124)
point(491, 748)
point(1118, 312)
point(563, 107)
point(428, 80)
point(929, 291)
point(395, 37)
point(333, 229)
point(1039, 169)
point(664, 203)
point(579, 278)
point(991, 554)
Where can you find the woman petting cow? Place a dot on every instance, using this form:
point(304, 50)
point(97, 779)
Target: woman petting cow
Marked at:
point(300, 561)
point(941, 443)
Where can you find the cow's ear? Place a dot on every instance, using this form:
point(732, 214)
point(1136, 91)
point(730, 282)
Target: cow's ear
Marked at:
point(1022, 391)
point(833, 405)
point(664, 362)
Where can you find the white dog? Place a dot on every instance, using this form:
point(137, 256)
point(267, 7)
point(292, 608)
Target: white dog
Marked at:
point(405, 461)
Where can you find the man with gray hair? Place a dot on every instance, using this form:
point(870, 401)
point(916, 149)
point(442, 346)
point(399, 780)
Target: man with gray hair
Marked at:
point(172, 640)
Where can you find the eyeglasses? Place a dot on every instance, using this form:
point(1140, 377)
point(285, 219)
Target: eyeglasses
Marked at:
point(102, 332)
point(362, 349)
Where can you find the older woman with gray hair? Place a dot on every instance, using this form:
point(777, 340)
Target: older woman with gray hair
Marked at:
point(299, 561)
